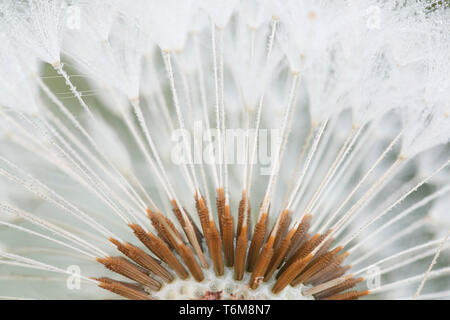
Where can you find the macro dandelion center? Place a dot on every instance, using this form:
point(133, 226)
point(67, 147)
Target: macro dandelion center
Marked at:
point(224, 149)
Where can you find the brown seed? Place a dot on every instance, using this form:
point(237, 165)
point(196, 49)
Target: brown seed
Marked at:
point(220, 202)
point(127, 269)
point(279, 255)
point(241, 251)
point(126, 290)
point(290, 273)
point(256, 242)
point(262, 264)
point(228, 237)
point(300, 235)
point(160, 249)
point(315, 266)
point(142, 258)
point(347, 284)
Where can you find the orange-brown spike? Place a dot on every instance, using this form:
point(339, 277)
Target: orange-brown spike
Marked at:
point(191, 232)
point(203, 213)
point(146, 240)
point(256, 242)
point(126, 290)
point(325, 274)
point(325, 247)
point(188, 257)
point(228, 237)
point(127, 269)
point(315, 266)
point(262, 263)
point(241, 252)
point(290, 273)
point(176, 210)
point(279, 255)
point(133, 285)
point(300, 235)
point(214, 243)
point(163, 233)
point(285, 221)
point(211, 235)
point(350, 295)
point(143, 259)
point(335, 274)
point(198, 233)
point(308, 247)
point(160, 249)
point(301, 252)
point(220, 202)
point(347, 284)
point(169, 257)
point(241, 215)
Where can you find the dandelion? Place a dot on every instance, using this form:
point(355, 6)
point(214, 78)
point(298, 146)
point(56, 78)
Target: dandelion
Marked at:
point(253, 149)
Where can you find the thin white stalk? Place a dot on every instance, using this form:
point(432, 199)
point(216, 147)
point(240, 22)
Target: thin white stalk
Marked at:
point(253, 146)
point(433, 262)
point(223, 114)
point(345, 173)
point(347, 145)
point(401, 215)
point(300, 158)
point(400, 254)
point(98, 187)
point(310, 156)
point(354, 209)
point(168, 64)
point(33, 219)
point(403, 263)
point(361, 181)
point(78, 126)
point(43, 236)
point(338, 226)
point(201, 80)
point(386, 242)
point(273, 178)
point(315, 164)
point(411, 280)
point(285, 130)
point(387, 210)
point(27, 262)
point(59, 69)
point(125, 187)
point(219, 160)
point(44, 192)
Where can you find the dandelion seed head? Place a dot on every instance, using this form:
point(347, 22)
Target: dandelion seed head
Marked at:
point(36, 26)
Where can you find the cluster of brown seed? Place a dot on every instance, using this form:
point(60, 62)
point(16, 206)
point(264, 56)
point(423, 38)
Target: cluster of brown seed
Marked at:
point(289, 254)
